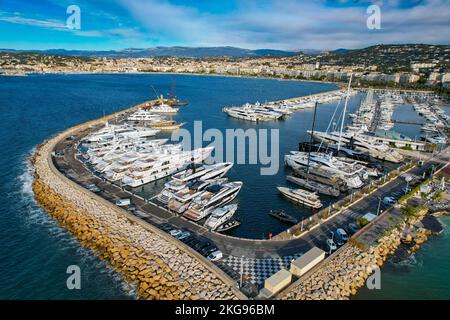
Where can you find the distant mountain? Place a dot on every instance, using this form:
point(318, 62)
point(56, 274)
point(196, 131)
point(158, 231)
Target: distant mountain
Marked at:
point(310, 51)
point(341, 50)
point(200, 52)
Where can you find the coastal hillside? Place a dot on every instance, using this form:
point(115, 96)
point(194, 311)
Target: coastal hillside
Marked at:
point(390, 58)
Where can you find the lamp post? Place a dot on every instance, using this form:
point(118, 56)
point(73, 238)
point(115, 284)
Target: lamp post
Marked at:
point(242, 271)
point(379, 205)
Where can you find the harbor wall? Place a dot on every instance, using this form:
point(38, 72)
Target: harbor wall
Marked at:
point(157, 265)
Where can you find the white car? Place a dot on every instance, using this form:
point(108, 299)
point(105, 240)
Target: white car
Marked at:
point(175, 232)
point(388, 201)
point(331, 245)
point(342, 235)
point(216, 255)
point(123, 202)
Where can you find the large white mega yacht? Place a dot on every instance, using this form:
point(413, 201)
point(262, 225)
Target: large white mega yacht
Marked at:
point(163, 108)
point(163, 166)
point(361, 142)
point(192, 173)
point(144, 116)
point(109, 132)
point(327, 163)
point(214, 196)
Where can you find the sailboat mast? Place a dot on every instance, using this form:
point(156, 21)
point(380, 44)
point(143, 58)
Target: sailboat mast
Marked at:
point(311, 140)
point(345, 109)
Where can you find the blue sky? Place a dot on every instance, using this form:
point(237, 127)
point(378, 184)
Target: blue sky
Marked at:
point(277, 24)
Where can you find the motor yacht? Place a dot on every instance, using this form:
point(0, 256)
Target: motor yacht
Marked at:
point(220, 216)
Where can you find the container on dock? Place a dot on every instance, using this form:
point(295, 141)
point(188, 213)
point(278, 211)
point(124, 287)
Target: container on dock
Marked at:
point(307, 261)
point(276, 283)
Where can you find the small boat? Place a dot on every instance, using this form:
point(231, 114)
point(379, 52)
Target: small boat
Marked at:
point(283, 216)
point(229, 225)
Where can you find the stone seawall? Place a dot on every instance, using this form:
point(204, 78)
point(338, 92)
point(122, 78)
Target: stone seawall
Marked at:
point(156, 264)
point(341, 275)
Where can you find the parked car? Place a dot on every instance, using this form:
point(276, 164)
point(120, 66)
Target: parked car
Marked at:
point(131, 208)
point(353, 228)
point(389, 201)
point(341, 236)
point(200, 245)
point(123, 202)
point(330, 245)
point(206, 251)
point(182, 235)
point(187, 239)
point(193, 243)
point(93, 188)
point(165, 226)
point(215, 256)
point(175, 232)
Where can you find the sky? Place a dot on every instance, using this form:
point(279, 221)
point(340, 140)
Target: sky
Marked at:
point(251, 24)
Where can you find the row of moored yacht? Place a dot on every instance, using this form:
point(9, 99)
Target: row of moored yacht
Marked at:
point(124, 154)
point(270, 111)
point(200, 192)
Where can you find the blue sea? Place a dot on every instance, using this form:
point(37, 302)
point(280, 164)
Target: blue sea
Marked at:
point(36, 252)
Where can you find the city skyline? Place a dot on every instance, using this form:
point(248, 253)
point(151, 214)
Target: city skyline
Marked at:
point(270, 24)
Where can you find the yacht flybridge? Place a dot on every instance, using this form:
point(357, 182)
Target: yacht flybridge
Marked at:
point(214, 196)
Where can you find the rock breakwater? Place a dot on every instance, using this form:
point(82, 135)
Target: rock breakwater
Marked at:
point(341, 275)
point(155, 264)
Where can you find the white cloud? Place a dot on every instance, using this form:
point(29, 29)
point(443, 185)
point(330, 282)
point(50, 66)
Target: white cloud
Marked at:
point(17, 19)
point(290, 24)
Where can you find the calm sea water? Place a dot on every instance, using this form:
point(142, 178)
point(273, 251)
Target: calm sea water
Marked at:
point(425, 275)
point(35, 251)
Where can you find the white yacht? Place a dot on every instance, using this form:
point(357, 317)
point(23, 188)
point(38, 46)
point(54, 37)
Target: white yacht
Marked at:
point(220, 215)
point(194, 172)
point(144, 116)
point(214, 196)
point(326, 163)
point(163, 108)
point(361, 142)
point(301, 196)
point(204, 172)
point(179, 201)
point(243, 114)
point(164, 166)
point(109, 132)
